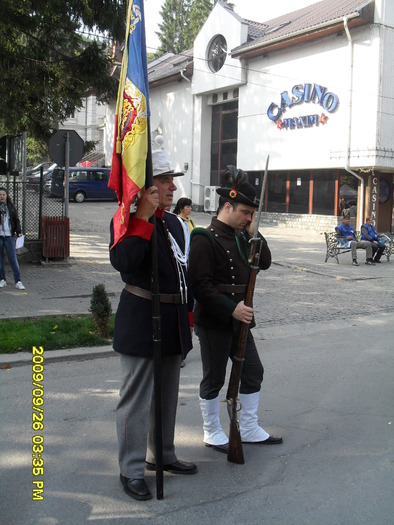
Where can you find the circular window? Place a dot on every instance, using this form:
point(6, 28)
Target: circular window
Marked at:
point(217, 53)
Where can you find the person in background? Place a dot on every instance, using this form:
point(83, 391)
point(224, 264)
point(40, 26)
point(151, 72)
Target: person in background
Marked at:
point(346, 231)
point(368, 233)
point(183, 209)
point(9, 227)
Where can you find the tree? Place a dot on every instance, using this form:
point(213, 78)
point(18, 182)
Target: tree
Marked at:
point(182, 21)
point(47, 64)
point(199, 12)
point(175, 16)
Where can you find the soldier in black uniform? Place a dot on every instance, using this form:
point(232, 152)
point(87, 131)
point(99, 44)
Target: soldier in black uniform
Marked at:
point(135, 420)
point(219, 271)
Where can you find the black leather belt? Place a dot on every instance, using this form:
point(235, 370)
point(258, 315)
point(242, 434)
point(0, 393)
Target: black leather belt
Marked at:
point(231, 288)
point(147, 294)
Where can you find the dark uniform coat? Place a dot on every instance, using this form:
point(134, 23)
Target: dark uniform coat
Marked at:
point(221, 262)
point(133, 321)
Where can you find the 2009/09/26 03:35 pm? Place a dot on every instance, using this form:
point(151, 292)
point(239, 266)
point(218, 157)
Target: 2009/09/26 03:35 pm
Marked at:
point(38, 423)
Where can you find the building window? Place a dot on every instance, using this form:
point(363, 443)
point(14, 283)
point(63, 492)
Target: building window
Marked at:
point(299, 192)
point(277, 183)
point(223, 139)
point(217, 52)
point(302, 192)
point(324, 192)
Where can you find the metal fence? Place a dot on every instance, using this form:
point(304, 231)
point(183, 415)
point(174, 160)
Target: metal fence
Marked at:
point(33, 202)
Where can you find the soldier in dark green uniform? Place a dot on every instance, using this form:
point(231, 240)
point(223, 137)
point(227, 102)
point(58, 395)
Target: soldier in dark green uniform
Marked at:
point(219, 271)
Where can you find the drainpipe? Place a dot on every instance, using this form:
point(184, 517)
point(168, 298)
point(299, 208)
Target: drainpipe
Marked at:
point(182, 73)
point(347, 152)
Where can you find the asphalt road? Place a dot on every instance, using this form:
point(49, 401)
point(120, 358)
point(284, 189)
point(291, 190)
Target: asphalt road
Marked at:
point(325, 333)
point(328, 390)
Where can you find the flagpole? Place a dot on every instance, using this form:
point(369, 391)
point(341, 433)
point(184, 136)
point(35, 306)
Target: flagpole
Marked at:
point(156, 320)
point(131, 170)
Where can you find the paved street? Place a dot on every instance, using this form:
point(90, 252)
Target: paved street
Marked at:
point(325, 333)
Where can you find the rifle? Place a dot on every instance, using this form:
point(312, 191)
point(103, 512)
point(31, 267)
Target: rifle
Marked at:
point(235, 451)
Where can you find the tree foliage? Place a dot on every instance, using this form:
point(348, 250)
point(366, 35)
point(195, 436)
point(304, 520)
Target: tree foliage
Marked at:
point(199, 12)
point(175, 17)
point(46, 62)
point(181, 23)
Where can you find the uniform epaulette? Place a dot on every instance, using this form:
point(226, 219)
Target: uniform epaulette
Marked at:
point(202, 231)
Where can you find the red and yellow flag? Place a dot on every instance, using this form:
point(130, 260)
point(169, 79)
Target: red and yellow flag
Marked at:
point(131, 120)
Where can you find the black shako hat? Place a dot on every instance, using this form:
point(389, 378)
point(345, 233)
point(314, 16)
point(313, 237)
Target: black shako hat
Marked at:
point(236, 188)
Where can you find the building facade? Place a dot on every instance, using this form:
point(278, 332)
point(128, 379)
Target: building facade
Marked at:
point(313, 89)
point(90, 123)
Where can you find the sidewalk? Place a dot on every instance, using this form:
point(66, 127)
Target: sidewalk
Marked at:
point(66, 287)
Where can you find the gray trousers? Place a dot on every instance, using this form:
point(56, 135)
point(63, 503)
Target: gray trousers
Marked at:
point(366, 245)
point(135, 413)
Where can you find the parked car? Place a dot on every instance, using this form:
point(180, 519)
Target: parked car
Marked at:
point(34, 177)
point(84, 183)
point(33, 171)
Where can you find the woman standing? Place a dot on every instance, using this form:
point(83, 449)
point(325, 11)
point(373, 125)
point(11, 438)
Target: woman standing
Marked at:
point(183, 209)
point(9, 227)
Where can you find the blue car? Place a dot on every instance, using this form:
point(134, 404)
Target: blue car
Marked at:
point(84, 183)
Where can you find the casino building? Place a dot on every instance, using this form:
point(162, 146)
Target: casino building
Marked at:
point(313, 89)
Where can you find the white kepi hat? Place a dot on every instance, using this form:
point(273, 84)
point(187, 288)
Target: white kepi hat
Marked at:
point(161, 161)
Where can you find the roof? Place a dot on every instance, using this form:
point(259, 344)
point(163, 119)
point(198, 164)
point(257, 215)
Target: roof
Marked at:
point(310, 23)
point(304, 25)
point(170, 66)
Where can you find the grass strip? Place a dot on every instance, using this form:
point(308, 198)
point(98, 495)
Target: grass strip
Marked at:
point(53, 333)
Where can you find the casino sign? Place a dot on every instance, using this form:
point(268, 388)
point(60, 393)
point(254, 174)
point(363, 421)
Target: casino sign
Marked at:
point(309, 93)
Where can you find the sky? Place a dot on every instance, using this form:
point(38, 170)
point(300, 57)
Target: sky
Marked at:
point(257, 10)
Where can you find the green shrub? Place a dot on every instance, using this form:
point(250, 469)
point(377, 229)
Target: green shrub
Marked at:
point(101, 309)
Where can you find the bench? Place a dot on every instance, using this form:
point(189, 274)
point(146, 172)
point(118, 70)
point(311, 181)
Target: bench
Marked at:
point(389, 249)
point(334, 249)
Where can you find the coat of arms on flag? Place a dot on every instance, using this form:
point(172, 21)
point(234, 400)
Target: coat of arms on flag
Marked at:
point(131, 120)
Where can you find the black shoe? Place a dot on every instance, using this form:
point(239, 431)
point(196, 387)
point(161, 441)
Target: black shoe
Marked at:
point(136, 488)
point(219, 448)
point(370, 262)
point(355, 263)
point(271, 440)
point(178, 467)
point(378, 261)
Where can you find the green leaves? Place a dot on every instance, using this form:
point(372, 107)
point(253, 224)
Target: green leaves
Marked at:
point(47, 63)
point(182, 21)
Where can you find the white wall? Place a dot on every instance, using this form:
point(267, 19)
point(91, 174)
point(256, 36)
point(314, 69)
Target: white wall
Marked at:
point(385, 124)
point(326, 63)
point(172, 116)
point(109, 132)
point(221, 21)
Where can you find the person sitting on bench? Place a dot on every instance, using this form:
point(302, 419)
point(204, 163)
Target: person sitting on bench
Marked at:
point(368, 233)
point(346, 231)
